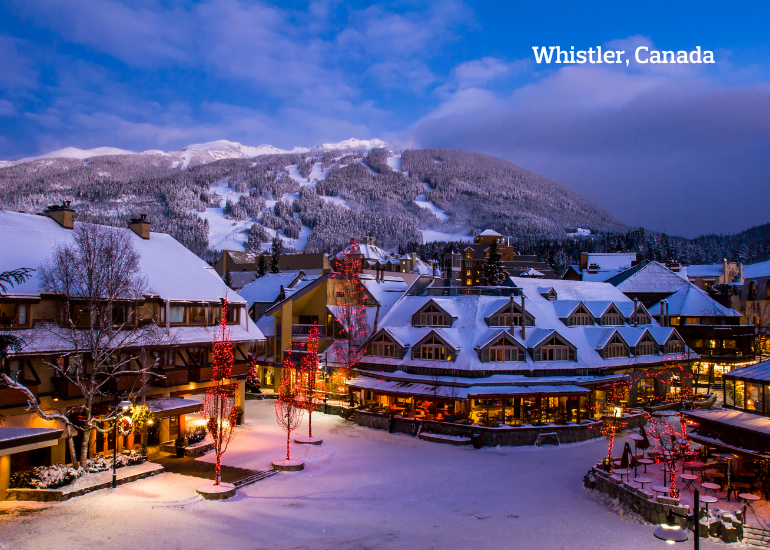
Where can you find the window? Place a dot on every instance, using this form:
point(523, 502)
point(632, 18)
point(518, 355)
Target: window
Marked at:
point(15, 370)
point(503, 350)
point(197, 355)
point(468, 273)
point(233, 314)
point(162, 314)
point(122, 314)
point(468, 282)
point(739, 395)
point(580, 318)
point(433, 349)
point(176, 314)
point(469, 265)
point(383, 346)
point(699, 343)
point(643, 319)
point(753, 397)
point(13, 314)
point(674, 346)
point(692, 320)
point(712, 344)
point(200, 315)
point(674, 321)
point(729, 344)
point(612, 319)
point(615, 348)
point(729, 392)
point(431, 316)
point(646, 347)
point(555, 350)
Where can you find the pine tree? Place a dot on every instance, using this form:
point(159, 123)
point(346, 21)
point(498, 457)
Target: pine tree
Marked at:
point(228, 279)
point(275, 256)
point(493, 267)
point(261, 266)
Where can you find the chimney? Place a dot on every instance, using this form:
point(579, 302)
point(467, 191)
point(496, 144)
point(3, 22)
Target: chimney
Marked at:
point(140, 226)
point(662, 313)
point(583, 260)
point(740, 272)
point(667, 320)
point(511, 310)
point(636, 304)
point(63, 215)
point(724, 271)
point(433, 265)
point(523, 318)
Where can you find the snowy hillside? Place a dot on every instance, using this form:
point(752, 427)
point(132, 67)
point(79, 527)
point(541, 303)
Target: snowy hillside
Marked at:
point(224, 194)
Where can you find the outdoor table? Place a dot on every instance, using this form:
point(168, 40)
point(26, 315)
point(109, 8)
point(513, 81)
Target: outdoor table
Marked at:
point(688, 480)
point(710, 487)
point(739, 486)
point(659, 489)
point(622, 472)
point(646, 461)
point(748, 501)
point(642, 481)
point(706, 499)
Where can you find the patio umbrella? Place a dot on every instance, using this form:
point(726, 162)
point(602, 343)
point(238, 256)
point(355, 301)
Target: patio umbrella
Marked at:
point(625, 459)
point(645, 443)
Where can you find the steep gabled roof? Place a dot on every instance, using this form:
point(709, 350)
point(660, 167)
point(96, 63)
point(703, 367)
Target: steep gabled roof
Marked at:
point(649, 277)
point(692, 301)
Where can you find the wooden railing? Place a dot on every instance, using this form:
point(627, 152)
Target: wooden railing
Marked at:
point(172, 377)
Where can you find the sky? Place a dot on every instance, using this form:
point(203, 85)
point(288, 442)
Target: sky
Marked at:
point(681, 148)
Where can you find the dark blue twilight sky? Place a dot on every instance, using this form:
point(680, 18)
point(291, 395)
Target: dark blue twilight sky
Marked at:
point(680, 148)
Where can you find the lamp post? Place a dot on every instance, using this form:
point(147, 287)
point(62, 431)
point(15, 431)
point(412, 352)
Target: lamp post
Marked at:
point(672, 533)
point(123, 405)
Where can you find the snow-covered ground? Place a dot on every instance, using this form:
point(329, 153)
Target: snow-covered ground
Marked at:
point(395, 163)
point(225, 233)
point(362, 489)
point(339, 201)
point(423, 202)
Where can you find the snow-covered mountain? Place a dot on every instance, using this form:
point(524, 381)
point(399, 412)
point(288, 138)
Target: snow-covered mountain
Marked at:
point(204, 153)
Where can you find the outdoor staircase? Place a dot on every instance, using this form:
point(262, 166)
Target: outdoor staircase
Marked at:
point(756, 537)
point(253, 478)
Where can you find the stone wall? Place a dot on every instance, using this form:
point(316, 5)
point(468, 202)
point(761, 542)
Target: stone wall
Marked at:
point(490, 437)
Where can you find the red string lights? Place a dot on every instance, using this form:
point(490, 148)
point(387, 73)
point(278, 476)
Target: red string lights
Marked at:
point(218, 407)
point(308, 371)
point(288, 406)
point(351, 311)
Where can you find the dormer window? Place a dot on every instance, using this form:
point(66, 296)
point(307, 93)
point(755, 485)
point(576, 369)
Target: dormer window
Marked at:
point(615, 348)
point(505, 318)
point(612, 317)
point(642, 317)
point(503, 350)
point(431, 316)
point(555, 350)
point(674, 346)
point(382, 346)
point(432, 349)
point(14, 315)
point(580, 317)
point(647, 347)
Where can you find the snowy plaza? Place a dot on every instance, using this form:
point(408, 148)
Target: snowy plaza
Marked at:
point(362, 489)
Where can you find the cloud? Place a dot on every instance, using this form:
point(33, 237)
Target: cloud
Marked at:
point(6, 108)
point(656, 148)
point(482, 71)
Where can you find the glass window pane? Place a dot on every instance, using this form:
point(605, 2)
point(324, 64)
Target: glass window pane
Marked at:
point(729, 392)
point(739, 388)
point(176, 314)
point(753, 397)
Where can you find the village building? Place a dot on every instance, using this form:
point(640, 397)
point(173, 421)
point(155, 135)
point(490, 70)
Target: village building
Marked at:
point(466, 264)
point(713, 331)
point(264, 291)
point(710, 276)
point(742, 426)
point(185, 300)
point(600, 266)
point(234, 261)
point(752, 299)
point(375, 258)
point(534, 351)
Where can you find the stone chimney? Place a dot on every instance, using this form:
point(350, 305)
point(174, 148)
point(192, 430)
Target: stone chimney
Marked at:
point(63, 215)
point(636, 317)
point(662, 313)
point(140, 226)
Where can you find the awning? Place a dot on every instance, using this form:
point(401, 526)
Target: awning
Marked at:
point(16, 440)
point(449, 392)
point(173, 406)
point(734, 431)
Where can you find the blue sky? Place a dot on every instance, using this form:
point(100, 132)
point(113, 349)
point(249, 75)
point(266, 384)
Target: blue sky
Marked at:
point(680, 148)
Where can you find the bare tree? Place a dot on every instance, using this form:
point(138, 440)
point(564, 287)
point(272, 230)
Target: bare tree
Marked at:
point(100, 287)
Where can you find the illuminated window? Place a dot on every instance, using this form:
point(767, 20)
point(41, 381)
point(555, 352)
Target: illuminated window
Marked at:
point(555, 350)
point(674, 346)
point(383, 346)
point(729, 344)
point(432, 349)
point(176, 314)
point(647, 347)
point(616, 348)
point(503, 350)
point(674, 321)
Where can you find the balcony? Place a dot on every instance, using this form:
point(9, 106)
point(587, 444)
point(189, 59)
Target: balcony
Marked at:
point(173, 377)
point(201, 374)
point(125, 382)
point(14, 398)
point(64, 389)
point(303, 331)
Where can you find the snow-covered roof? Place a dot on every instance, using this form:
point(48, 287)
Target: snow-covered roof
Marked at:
point(759, 371)
point(531, 272)
point(489, 233)
point(469, 331)
point(692, 301)
point(601, 275)
point(268, 287)
point(173, 272)
point(733, 419)
point(13, 436)
point(651, 277)
point(705, 270)
point(387, 292)
point(754, 271)
point(612, 260)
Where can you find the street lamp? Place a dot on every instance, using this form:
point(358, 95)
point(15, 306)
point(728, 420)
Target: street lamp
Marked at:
point(122, 406)
point(672, 533)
